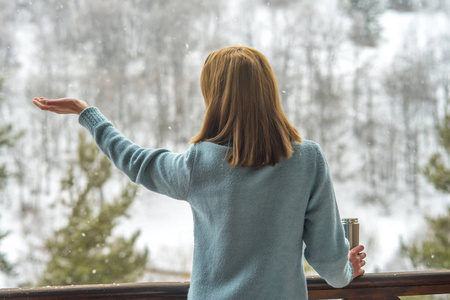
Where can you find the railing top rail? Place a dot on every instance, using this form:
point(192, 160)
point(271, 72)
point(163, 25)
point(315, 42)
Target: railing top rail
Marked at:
point(384, 284)
point(390, 279)
point(365, 287)
point(153, 290)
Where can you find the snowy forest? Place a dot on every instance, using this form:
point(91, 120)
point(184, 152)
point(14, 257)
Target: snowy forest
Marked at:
point(368, 80)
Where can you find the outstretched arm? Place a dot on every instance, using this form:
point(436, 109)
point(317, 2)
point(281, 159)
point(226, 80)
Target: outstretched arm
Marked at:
point(61, 106)
point(158, 170)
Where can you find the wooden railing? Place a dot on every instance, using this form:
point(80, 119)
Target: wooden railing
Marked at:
point(384, 286)
point(369, 286)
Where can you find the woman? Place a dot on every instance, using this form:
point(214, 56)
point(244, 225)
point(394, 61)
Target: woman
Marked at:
point(257, 191)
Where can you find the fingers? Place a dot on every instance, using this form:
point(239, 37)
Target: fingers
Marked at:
point(357, 268)
point(359, 273)
point(357, 249)
point(356, 258)
point(40, 102)
point(46, 104)
point(359, 261)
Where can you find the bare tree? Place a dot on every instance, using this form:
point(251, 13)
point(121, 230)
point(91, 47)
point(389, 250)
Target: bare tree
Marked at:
point(411, 89)
point(365, 14)
point(324, 118)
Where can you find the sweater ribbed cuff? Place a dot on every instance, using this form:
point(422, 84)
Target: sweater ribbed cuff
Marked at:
point(90, 117)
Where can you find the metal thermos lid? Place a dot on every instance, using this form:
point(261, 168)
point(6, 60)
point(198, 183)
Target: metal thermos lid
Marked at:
point(350, 220)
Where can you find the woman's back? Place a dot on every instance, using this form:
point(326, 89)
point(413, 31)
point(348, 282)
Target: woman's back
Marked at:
point(249, 225)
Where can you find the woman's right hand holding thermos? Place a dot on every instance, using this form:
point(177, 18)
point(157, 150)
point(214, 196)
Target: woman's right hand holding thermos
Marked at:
point(356, 256)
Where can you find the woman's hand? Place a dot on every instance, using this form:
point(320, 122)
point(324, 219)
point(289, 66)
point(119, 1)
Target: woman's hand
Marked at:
point(357, 260)
point(61, 106)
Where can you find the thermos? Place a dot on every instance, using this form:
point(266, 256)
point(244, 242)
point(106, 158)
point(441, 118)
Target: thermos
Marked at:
point(351, 228)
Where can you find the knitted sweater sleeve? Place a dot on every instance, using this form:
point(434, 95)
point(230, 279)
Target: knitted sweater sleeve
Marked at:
point(326, 248)
point(158, 170)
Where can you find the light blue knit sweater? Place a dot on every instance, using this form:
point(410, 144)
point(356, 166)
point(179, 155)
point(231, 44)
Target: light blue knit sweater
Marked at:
point(249, 224)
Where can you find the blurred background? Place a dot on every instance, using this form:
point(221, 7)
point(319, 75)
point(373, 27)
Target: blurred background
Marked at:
point(368, 80)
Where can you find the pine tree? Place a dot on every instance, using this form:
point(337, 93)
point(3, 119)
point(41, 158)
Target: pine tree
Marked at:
point(436, 170)
point(84, 251)
point(433, 250)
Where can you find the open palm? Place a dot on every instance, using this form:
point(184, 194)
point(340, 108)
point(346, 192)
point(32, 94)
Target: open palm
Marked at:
point(62, 105)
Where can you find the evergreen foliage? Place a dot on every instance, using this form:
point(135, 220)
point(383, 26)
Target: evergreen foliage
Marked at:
point(433, 250)
point(84, 251)
point(436, 171)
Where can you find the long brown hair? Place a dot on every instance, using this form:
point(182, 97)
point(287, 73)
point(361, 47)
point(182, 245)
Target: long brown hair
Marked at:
point(243, 108)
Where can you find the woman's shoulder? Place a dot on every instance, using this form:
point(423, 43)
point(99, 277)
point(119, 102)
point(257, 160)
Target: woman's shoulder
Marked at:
point(308, 150)
point(306, 146)
point(208, 150)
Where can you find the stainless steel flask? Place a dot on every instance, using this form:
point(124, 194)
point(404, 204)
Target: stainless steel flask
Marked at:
point(351, 228)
